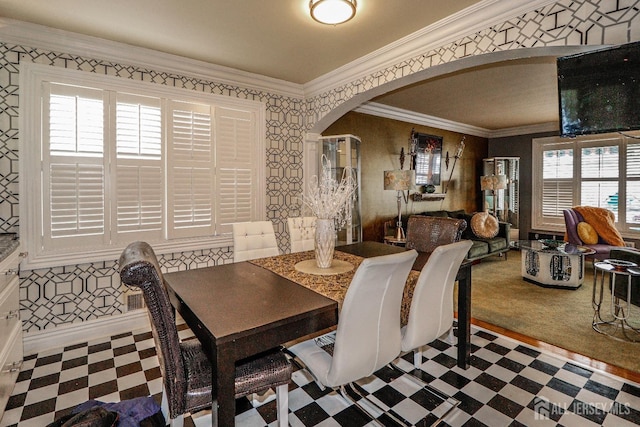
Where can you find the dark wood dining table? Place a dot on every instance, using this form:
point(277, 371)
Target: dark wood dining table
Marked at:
point(239, 310)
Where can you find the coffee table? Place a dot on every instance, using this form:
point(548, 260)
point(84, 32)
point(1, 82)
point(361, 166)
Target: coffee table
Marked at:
point(559, 267)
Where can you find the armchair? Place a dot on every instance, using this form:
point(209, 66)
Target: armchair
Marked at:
point(572, 218)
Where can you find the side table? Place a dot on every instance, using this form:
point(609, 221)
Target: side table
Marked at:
point(615, 323)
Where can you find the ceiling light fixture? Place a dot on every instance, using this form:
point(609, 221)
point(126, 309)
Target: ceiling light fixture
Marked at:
point(332, 12)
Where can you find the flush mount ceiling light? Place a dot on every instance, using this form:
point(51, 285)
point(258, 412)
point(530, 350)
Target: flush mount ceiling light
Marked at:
point(332, 11)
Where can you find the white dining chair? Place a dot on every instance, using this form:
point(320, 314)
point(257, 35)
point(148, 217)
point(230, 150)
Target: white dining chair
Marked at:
point(302, 232)
point(252, 240)
point(368, 333)
point(431, 310)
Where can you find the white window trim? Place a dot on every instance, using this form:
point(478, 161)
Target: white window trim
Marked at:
point(538, 222)
point(30, 122)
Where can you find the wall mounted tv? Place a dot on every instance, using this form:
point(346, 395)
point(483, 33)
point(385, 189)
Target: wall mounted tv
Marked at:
point(599, 91)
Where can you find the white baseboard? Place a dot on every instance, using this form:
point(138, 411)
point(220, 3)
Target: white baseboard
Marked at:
point(62, 336)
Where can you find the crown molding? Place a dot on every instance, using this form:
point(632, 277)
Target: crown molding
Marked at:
point(525, 130)
point(381, 110)
point(474, 18)
point(55, 40)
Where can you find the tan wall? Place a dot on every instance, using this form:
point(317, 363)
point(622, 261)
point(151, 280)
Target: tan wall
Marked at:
point(382, 140)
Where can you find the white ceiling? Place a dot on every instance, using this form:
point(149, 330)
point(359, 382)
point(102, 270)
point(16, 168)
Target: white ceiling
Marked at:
point(278, 39)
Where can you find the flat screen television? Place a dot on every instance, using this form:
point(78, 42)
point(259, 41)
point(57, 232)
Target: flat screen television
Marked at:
point(599, 91)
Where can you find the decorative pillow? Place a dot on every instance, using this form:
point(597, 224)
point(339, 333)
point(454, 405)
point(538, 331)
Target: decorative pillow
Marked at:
point(587, 233)
point(484, 225)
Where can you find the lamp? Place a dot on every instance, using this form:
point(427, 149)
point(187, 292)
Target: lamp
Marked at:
point(400, 181)
point(332, 12)
point(493, 183)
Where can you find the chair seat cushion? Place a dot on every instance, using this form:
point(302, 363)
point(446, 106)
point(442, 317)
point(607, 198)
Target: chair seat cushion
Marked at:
point(587, 233)
point(484, 225)
point(256, 374)
point(271, 369)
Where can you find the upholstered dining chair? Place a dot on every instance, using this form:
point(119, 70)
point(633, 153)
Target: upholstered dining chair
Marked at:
point(431, 310)
point(368, 333)
point(302, 232)
point(426, 233)
point(251, 240)
point(185, 369)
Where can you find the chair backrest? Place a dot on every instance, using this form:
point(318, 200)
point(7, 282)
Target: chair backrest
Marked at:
point(368, 332)
point(425, 233)
point(302, 232)
point(253, 240)
point(571, 220)
point(431, 311)
point(139, 269)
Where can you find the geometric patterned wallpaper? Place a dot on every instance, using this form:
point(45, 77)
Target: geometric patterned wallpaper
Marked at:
point(68, 294)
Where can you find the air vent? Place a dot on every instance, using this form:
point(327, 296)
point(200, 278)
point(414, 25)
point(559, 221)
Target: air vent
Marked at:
point(135, 301)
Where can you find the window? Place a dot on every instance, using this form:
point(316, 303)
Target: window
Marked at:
point(122, 161)
point(599, 170)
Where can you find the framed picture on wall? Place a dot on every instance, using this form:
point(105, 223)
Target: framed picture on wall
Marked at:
point(427, 161)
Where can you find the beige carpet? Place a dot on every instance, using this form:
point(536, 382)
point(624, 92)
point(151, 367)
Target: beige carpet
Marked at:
point(557, 316)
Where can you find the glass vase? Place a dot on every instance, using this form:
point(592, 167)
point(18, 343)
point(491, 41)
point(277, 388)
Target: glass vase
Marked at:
point(325, 241)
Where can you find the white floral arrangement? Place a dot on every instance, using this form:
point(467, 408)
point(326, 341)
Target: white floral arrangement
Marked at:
point(329, 199)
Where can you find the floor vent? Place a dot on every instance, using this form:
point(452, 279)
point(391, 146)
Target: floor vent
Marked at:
point(630, 244)
point(135, 302)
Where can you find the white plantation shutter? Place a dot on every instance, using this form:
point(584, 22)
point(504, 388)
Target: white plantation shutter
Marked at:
point(599, 175)
point(633, 185)
point(557, 182)
point(236, 154)
point(113, 160)
point(139, 182)
point(557, 195)
point(74, 173)
point(191, 170)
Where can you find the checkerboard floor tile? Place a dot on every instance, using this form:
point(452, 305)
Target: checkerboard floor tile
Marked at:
point(508, 384)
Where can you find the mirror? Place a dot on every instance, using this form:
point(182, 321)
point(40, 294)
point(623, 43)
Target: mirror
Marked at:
point(426, 157)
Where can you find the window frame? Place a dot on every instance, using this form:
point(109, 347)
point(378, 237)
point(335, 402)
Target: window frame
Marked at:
point(540, 145)
point(32, 78)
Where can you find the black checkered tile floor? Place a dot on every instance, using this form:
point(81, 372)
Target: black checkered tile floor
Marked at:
point(508, 384)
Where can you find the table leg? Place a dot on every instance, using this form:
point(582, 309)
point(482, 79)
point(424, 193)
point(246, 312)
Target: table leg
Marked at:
point(223, 372)
point(464, 316)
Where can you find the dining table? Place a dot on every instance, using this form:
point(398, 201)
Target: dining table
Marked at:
point(241, 309)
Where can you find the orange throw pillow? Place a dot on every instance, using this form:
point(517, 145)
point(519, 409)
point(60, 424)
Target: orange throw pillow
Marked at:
point(587, 233)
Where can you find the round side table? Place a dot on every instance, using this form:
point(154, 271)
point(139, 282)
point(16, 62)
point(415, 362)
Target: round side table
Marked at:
point(615, 323)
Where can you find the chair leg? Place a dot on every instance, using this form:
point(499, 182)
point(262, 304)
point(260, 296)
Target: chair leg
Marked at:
point(431, 389)
point(417, 357)
point(282, 401)
point(164, 408)
point(389, 414)
point(177, 422)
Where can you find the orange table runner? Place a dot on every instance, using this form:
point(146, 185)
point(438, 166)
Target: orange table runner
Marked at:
point(332, 286)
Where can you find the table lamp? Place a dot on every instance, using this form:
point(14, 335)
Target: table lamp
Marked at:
point(493, 183)
point(400, 181)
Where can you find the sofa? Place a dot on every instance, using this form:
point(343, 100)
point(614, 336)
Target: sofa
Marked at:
point(481, 247)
